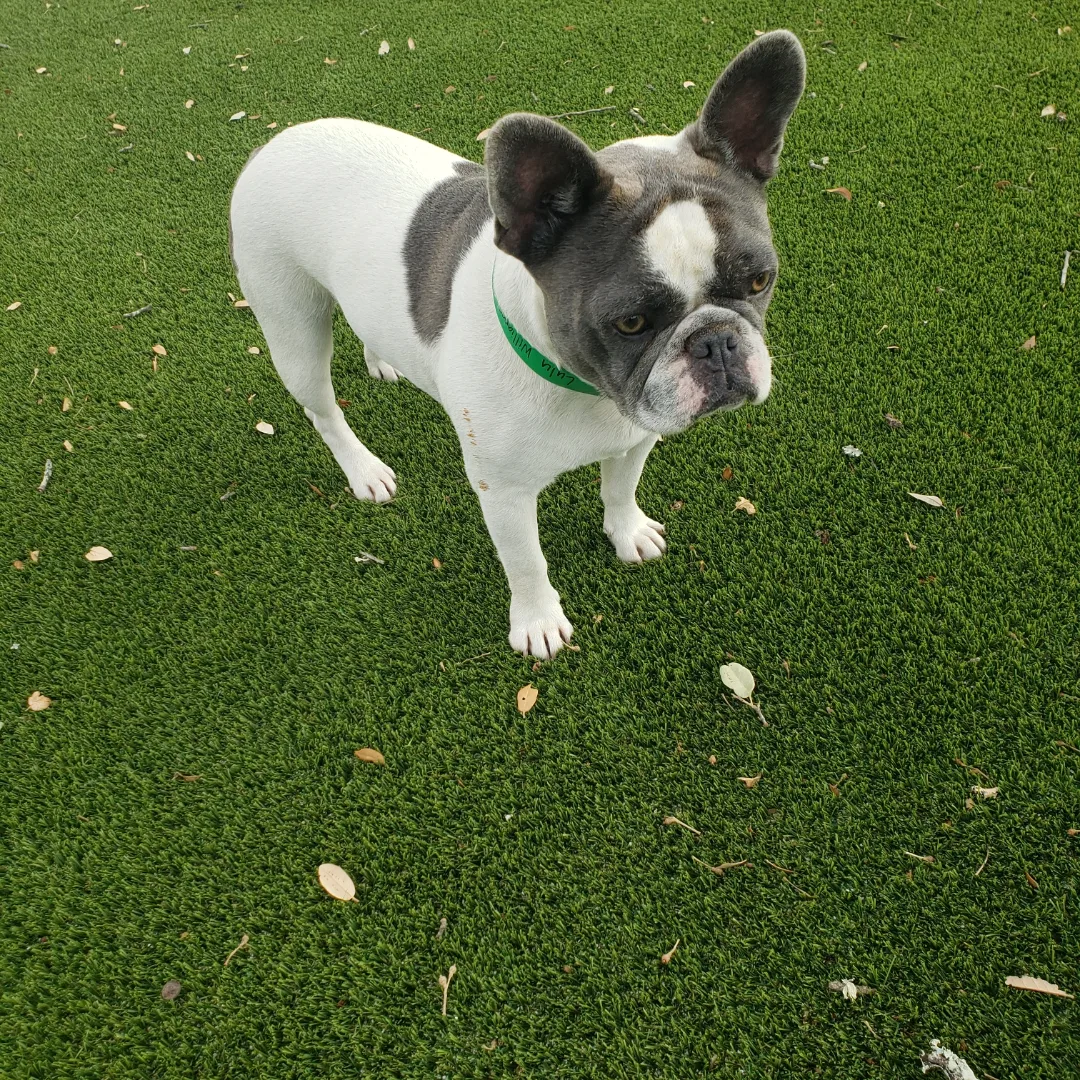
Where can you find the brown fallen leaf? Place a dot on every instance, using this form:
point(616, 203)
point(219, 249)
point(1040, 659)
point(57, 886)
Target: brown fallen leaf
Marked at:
point(436, 564)
point(66, 405)
point(526, 698)
point(189, 103)
point(985, 792)
point(254, 350)
point(670, 820)
point(18, 564)
point(921, 858)
point(68, 446)
point(98, 554)
point(726, 473)
point(719, 870)
point(449, 89)
point(336, 882)
point(862, 66)
point(327, 60)
point(893, 422)
point(243, 945)
point(264, 428)
point(14, 306)
point(241, 304)
point(1038, 986)
point(1029, 344)
point(666, 958)
point(53, 350)
point(187, 778)
point(34, 556)
point(171, 990)
point(369, 753)
point(1031, 881)
point(159, 349)
point(843, 192)
point(749, 781)
point(1072, 832)
point(125, 405)
point(745, 504)
point(189, 155)
point(493, 1045)
point(38, 702)
point(712, 759)
point(411, 44)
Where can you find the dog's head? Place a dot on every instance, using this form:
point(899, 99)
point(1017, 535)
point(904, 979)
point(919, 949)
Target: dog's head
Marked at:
point(655, 256)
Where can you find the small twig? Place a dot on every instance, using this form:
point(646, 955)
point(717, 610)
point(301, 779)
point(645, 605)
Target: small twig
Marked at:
point(1068, 746)
point(666, 958)
point(478, 656)
point(751, 704)
point(719, 870)
point(48, 475)
point(582, 112)
point(984, 862)
point(783, 869)
point(669, 820)
point(1065, 268)
point(441, 932)
point(366, 556)
point(138, 311)
point(635, 115)
point(444, 982)
point(243, 945)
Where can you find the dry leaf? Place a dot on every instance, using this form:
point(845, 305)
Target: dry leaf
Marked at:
point(38, 702)
point(254, 350)
point(187, 778)
point(1048, 110)
point(930, 500)
point(264, 428)
point(911, 543)
point(851, 451)
point(14, 307)
point(449, 89)
point(327, 60)
point(336, 882)
point(1072, 832)
point(745, 504)
point(727, 472)
point(1039, 986)
point(436, 564)
point(444, 982)
point(670, 820)
point(125, 405)
point(40, 70)
point(98, 554)
point(159, 349)
point(186, 50)
point(188, 104)
point(739, 679)
point(34, 556)
point(189, 155)
point(1031, 881)
point(18, 564)
point(749, 781)
point(241, 304)
point(1029, 344)
point(483, 135)
point(53, 350)
point(411, 44)
point(712, 759)
point(238, 115)
point(272, 125)
point(68, 447)
point(666, 958)
point(848, 988)
point(384, 47)
point(921, 858)
point(942, 1059)
point(843, 192)
point(243, 945)
point(986, 792)
point(368, 753)
point(862, 66)
point(526, 698)
point(171, 990)
point(65, 407)
point(686, 85)
point(609, 89)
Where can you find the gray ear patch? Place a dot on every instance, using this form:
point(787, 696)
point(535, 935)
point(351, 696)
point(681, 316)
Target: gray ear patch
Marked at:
point(443, 228)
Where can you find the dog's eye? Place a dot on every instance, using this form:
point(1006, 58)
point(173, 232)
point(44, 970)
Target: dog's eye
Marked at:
point(632, 324)
point(761, 282)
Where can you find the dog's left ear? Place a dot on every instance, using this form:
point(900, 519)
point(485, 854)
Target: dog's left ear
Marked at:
point(747, 110)
point(540, 177)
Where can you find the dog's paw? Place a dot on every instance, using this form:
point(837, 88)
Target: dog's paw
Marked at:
point(378, 370)
point(371, 480)
point(638, 539)
point(539, 630)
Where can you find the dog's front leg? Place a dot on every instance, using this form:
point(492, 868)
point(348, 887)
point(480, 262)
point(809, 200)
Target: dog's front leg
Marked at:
point(634, 536)
point(538, 626)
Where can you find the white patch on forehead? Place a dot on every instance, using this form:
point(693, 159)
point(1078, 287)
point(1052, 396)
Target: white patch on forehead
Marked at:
point(680, 243)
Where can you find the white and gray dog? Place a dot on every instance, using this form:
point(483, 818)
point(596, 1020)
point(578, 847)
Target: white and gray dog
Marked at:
point(563, 306)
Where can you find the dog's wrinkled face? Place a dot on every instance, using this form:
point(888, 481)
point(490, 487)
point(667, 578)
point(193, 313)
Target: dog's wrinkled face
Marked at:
point(655, 256)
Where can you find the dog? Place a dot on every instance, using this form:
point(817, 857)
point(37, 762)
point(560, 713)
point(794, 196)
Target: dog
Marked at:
point(563, 306)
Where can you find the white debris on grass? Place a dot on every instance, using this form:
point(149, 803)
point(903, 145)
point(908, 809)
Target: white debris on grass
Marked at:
point(942, 1058)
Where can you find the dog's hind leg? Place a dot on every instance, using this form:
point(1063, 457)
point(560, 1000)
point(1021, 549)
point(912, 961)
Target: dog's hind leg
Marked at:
point(297, 321)
point(377, 369)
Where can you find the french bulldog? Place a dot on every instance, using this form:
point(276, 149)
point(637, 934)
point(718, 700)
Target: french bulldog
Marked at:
point(564, 306)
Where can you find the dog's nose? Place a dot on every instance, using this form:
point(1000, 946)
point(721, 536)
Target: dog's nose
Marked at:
point(717, 347)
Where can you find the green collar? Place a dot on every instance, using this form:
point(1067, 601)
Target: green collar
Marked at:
point(545, 368)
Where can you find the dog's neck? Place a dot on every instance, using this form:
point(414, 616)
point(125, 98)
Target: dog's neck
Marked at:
point(522, 301)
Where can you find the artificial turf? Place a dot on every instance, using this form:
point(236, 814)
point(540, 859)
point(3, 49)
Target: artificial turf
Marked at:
point(261, 660)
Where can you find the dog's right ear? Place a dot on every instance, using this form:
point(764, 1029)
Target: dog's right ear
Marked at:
point(540, 176)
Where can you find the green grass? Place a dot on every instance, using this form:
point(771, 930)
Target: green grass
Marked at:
point(260, 661)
